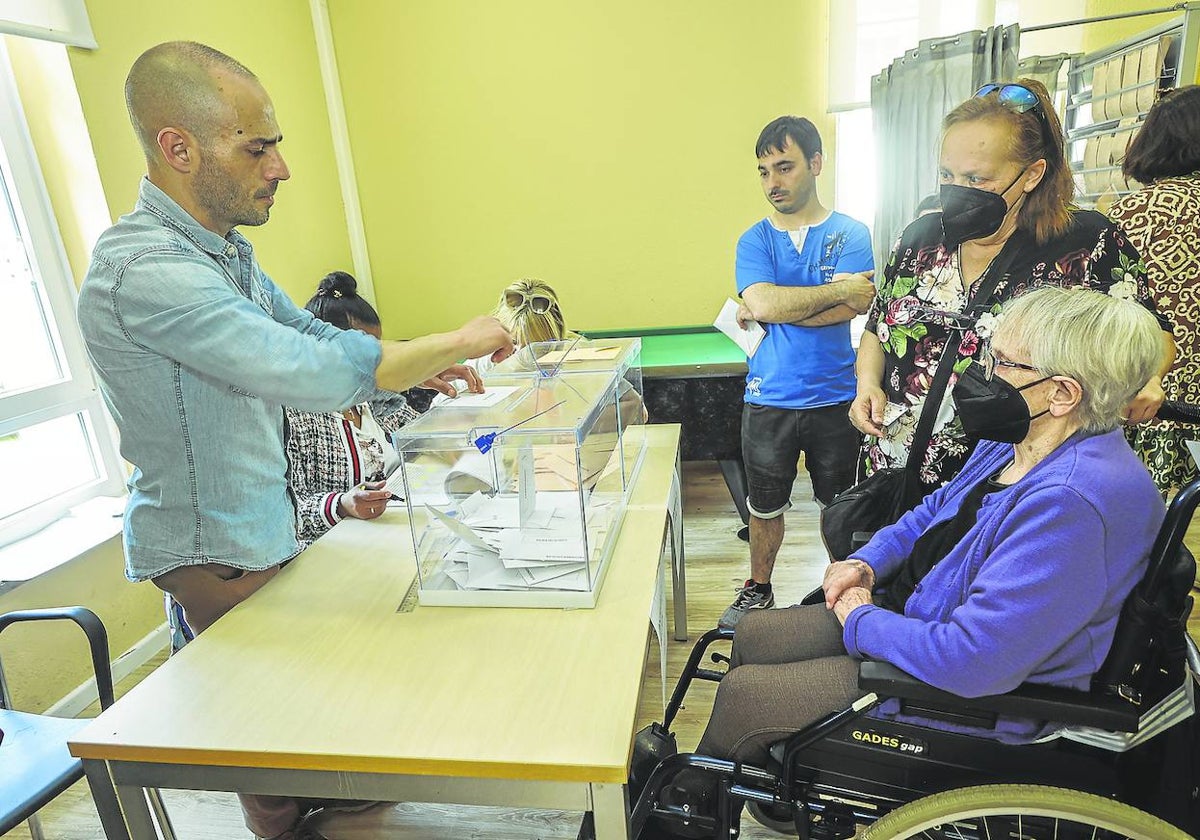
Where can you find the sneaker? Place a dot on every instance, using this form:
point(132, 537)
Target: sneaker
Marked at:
point(748, 598)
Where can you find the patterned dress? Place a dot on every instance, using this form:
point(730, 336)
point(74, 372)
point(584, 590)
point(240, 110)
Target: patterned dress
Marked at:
point(918, 308)
point(1163, 222)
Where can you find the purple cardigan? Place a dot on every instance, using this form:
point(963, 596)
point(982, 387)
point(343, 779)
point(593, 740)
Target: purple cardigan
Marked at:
point(1033, 591)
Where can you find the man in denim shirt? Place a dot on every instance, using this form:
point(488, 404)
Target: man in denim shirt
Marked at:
point(197, 350)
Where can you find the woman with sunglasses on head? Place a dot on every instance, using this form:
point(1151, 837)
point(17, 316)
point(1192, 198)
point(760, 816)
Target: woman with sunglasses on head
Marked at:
point(1163, 223)
point(1006, 193)
point(529, 309)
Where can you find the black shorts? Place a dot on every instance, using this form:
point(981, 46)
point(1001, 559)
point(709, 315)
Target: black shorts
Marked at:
point(772, 440)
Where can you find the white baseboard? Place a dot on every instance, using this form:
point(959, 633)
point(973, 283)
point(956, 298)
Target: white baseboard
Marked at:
point(142, 652)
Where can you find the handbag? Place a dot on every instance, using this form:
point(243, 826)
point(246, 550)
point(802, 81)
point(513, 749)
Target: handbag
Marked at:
point(879, 500)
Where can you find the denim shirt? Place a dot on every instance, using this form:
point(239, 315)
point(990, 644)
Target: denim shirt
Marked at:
point(197, 351)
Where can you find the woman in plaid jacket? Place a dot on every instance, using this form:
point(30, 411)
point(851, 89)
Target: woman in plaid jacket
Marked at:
point(337, 461)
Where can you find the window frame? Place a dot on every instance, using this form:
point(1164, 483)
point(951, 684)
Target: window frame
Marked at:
point(77, 391)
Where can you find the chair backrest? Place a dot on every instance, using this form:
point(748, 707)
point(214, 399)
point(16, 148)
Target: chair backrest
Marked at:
point(1148, 657)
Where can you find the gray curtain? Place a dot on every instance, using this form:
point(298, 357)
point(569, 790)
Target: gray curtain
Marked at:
point(1045, 69)
point(908, 101)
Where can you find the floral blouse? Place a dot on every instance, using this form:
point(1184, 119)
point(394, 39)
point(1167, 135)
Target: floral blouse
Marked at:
point(918, 309)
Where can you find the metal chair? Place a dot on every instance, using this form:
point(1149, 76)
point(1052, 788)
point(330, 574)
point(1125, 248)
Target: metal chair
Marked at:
point(35, 765)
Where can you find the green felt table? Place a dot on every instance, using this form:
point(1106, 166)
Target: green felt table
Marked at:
point(683, 352)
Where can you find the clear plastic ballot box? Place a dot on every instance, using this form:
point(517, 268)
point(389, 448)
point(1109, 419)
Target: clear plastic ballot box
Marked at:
point(515, 496)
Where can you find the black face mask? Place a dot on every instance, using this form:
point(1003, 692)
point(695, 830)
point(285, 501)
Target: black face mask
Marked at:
point(968, 213)
point(992, 409)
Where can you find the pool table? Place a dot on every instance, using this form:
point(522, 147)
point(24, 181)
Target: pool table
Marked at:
point(696, 377)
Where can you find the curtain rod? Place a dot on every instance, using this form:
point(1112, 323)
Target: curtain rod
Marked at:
point(1178, 7)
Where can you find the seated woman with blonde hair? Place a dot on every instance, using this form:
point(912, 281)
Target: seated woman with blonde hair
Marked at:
point(529, 309)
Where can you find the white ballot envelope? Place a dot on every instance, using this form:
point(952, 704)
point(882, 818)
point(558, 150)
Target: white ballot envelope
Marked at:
point(748, 339)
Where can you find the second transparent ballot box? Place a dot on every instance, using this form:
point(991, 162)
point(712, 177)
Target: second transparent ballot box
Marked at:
point(515, 496)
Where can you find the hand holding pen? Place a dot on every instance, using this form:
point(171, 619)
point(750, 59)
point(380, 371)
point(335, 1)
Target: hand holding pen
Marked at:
point(366, 501)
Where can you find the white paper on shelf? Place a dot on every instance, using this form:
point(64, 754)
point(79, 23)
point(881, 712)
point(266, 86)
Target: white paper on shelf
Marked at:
point(491, 396)
point(749, 338)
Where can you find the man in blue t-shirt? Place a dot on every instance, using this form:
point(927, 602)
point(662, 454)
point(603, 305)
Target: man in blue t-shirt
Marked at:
point(803, 272)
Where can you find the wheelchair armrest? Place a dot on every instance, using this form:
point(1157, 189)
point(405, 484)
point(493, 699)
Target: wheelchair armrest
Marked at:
point(92, 627)
point(1040, 702)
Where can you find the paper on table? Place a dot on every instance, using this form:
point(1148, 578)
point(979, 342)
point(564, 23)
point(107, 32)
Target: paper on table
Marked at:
point(748, 339)
point(491, 396)
point(579, 354)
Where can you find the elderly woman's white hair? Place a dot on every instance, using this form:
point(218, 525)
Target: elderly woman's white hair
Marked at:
point(1110, 346)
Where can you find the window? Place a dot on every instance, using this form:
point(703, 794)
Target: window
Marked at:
point(56, 443)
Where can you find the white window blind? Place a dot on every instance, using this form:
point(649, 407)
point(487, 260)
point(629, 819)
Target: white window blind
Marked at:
point(64, 21)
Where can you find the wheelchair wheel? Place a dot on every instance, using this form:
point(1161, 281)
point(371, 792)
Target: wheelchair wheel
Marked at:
point(1031, 812)
point(776, 819)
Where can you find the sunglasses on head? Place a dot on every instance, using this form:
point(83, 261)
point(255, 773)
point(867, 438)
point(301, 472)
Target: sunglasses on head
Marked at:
point(539, 303)
point(1020, 100)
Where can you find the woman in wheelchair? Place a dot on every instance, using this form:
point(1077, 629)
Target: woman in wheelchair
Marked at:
point(1015, 571)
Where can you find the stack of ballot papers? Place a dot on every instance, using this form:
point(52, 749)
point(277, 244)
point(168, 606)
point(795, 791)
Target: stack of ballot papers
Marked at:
point(490, 548)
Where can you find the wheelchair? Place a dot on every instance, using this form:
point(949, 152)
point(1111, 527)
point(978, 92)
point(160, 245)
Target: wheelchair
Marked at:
point(900, 780)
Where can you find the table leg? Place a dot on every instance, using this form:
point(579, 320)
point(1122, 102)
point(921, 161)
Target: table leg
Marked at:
point(137, 812)
point(733, 471)
point(678, 568)
point(105, 797)
point(610, 810)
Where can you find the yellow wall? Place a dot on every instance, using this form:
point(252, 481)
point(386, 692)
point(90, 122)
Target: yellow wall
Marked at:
point(1099, 35)
point(44, 661)
point(606, 147)
point(307, 233)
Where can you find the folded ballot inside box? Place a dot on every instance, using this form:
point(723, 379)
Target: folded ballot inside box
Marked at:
point(517, 502)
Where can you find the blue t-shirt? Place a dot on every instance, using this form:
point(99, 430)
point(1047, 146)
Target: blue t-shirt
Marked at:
point(802, 367)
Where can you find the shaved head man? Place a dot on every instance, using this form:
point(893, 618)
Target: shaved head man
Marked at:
point(197, 350)
point(208, 130)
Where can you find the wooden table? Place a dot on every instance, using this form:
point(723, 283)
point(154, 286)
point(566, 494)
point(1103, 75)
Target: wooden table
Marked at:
point(318, 686)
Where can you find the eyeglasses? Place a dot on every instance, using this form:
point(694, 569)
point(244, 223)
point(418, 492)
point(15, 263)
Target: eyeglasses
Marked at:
point(991, 361)
point(1020, 100)
point(538, 303)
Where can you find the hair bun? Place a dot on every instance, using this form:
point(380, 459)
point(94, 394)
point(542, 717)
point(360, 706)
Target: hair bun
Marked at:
point(337, 284)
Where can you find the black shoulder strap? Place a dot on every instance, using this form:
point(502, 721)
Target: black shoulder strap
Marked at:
point(937, 388)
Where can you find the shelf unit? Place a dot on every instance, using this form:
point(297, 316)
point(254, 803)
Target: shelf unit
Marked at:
point(1109, 92)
